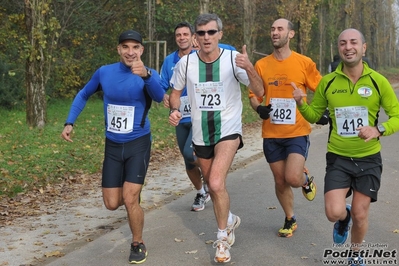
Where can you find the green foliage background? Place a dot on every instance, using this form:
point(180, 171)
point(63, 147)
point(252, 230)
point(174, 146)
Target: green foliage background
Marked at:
point(87, 38)
point(88, 33)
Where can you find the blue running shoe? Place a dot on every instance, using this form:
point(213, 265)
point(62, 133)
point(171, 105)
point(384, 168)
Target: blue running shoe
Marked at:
point(356, 261)
point(341, 229)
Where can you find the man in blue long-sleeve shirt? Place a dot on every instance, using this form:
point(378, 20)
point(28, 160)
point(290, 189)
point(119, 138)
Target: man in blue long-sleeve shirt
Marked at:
point(128, 89)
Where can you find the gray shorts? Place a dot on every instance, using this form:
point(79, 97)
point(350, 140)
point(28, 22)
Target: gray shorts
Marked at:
point(359, 174)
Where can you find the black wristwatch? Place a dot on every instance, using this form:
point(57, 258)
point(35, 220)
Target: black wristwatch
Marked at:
point(149, 74)
point(381, 129)
point(172, 110)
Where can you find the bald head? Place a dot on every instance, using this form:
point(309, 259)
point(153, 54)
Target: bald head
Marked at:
point(352, 32)
point(284, 23)
point(281, 32)
point(351, 47)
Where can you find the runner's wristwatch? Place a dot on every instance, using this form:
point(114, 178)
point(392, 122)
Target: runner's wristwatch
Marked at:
point(149, 74)
point(381, 129)
point(172, 110)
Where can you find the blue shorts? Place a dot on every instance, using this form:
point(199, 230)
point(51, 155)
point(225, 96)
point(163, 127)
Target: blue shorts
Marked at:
point(278, 149)
point(126, 162)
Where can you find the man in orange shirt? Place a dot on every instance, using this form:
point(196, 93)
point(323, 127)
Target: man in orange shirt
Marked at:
point(285, 132)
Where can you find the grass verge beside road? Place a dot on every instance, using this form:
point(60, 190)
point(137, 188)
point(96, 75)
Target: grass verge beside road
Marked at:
point(31, 158)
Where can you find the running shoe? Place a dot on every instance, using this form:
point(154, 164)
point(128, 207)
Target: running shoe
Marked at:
point(289, 227)
point(138, 253)
point(341, 229)
point(230, 229)
point(309, 190)
point(200, 201)
point(222, 251)
point(356, 261)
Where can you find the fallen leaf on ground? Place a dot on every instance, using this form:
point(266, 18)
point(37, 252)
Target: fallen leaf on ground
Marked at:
point(54, 254)
point(191, 252)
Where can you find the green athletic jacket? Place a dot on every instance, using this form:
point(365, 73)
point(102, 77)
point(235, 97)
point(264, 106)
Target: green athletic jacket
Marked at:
point(371, 91)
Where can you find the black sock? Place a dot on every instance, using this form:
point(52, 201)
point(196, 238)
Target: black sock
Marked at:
point(348, 216)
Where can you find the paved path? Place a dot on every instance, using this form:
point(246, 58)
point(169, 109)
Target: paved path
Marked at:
point(69, 224)
point(176, 236)
point(90, 235)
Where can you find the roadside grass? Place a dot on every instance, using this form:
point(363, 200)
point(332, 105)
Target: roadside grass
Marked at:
point(391, 74)
point(31, 158)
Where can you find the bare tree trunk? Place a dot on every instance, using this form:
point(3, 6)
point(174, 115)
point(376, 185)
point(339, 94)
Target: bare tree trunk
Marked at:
point(349, 9)
point(374, 42)
point(249, 26)
point(204, 6)
point(322, 41)
point(35, 66)
point(151, 27)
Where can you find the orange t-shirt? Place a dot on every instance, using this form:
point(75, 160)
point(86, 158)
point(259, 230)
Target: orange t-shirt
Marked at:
point(285, 120)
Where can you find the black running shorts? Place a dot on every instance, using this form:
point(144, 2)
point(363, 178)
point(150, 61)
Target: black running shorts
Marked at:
point(359, 174)
point(126, 162)
point(208, 152)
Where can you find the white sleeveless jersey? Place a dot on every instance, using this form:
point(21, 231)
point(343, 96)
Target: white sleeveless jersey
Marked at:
point(214, 95)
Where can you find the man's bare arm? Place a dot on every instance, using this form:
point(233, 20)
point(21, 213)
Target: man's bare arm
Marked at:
point(174, 104)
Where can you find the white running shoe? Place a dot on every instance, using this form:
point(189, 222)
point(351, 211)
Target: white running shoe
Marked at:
point(230, 229)
point(222, 251)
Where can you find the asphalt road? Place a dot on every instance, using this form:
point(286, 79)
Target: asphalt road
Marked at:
point(176, 236)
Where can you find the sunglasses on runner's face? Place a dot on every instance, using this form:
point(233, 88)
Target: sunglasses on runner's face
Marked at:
point(202, 32)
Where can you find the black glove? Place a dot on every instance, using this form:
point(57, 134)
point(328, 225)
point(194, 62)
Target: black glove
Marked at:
point(264, 111)
point(324, 118)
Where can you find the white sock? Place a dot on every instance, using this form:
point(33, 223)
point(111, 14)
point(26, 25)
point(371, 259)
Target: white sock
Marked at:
point(222, 234)
point(201, 191)
point(230, 218)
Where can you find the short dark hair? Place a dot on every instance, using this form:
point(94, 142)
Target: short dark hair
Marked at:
point(184, 24)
